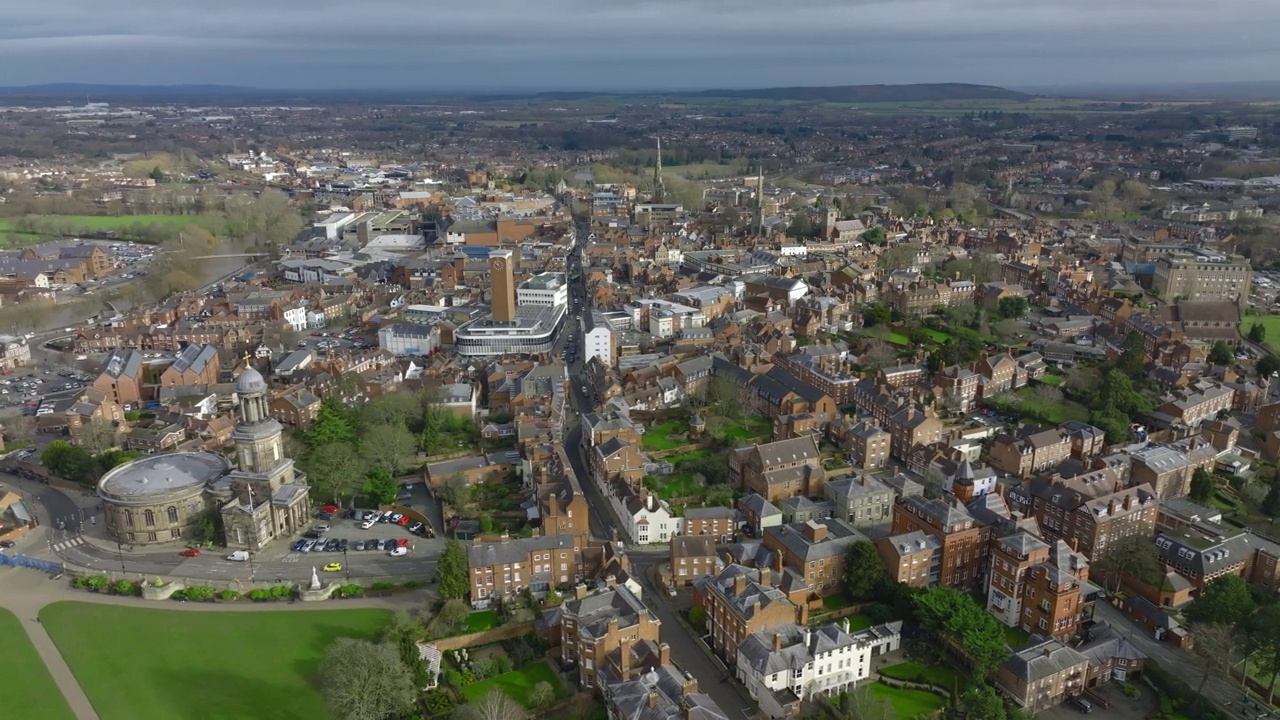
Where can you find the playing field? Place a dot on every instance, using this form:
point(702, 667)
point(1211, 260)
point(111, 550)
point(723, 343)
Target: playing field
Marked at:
point(25, 684)
point(149, 663)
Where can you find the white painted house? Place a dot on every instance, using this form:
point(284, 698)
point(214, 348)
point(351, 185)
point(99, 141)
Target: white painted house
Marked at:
point(646, 519)
point(783, 665)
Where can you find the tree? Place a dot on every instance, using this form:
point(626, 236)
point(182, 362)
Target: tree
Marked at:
point(334, 470)
point(404, 632)
point(1132, 556)
point(97, 436)
point(959, 620)
point(1220, 353)
point(727, 397)
point(981, 702)
point(486, 523)
point(1012, 307)
point(1133, 358)
point(156, 174)
point(801, 227)
point(542, 694)
point(452, 615)
point(363, 680)
point(863, 571)
point(1262, 644)
point(1271, 502)
point(386, 446)
point(332, 425)
point(878, 314)
point(1226, 599)
point(1216, 644)
point(494, 705)
point(1268, 365)
point(392, 409)
point(897, 257)
point(719, 496)
point(452, 570)
point(380, 487)
point(68, 461)
point(456, 491)
point(933, 481)
point(1201, 485)
point(1257, 333)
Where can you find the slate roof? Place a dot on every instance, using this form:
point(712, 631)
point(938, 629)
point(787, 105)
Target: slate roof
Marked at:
point(1042, 658)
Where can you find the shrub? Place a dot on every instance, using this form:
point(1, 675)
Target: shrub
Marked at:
point(259, 594)
point(502, 664)
point(453, 678)
point(382, 586)
point(178, 595)
point(482, 669)
point(96, 583)
point(229, 594)
point(697, 618)
point(200, 593)
point(349, 591)
point(542, 694)
point(281, 591)
point(125, 587)
point(411, 585)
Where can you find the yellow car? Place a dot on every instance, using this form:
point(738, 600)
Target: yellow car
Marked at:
point(333, 567)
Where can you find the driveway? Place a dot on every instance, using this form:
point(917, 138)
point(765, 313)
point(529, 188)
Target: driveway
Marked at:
point(1122, 708)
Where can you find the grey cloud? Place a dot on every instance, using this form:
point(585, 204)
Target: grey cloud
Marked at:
point(502, 44)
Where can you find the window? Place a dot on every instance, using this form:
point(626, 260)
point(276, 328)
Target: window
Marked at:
point(173, 514)
point(128, 520)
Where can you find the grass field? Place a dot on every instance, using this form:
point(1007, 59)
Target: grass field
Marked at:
point(146, 663)
point(481, 620)
point(1026, 403)
point(656, 437)
point(517, 683)
point(1270, 323)
point(907, 704)
point(25, 685)
point(943, 678)
point(937, 335)
point(93, 223)
point(747, 429)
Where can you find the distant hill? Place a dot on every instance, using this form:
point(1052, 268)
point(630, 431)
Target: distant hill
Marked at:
point(872, 93)
point(197, 94)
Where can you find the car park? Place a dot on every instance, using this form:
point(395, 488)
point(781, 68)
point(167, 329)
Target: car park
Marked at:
point(357, 545)
point(416, 528)
point(403, 520)
point(343, 544)
point(395, 518)
point(307, 545)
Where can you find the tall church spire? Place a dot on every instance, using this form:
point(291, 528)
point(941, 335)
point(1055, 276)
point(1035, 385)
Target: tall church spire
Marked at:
point(659, 190)
point(760, 200)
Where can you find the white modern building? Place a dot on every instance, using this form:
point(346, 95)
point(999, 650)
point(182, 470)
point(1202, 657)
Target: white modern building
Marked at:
point(532, 332)
point(402, 339)
point(663, 318)
point(296, 317)
point(598, 339)
point(332, 226)
point(784, 665)
point(543, 290)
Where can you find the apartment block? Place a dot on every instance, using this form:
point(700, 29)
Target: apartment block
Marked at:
point(1209, 276)
point(963, 540)
point(599, 628)
point(1042, 674)
point(692, 557)
point(738, 604)
point(912, 558)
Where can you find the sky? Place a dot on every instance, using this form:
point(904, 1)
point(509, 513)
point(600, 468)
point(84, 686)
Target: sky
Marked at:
point(505, 45)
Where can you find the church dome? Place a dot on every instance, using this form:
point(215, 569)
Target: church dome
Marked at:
point(250, 382)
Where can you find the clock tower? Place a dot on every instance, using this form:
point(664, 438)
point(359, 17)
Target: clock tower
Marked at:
point(503, 290)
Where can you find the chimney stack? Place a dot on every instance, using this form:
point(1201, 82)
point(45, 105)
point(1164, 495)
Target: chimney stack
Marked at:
point(664, 654)
point(777, 642)
point(1128, 501)
point(739, 584)
point(653, 697)
point(624, 657)
point(580, 591)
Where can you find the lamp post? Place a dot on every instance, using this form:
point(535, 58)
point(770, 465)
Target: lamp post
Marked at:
point(345, 566)
point(120, 553)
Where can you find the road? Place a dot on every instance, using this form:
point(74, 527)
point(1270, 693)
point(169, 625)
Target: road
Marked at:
point(690, 654)
point(1182, 665)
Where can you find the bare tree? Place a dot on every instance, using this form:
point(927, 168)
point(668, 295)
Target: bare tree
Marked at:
point(934, 482)
point(456, 491)
point(362, 680)
point(495, 705)
point(1217, 646)
point(97, 435)
point(386, 446)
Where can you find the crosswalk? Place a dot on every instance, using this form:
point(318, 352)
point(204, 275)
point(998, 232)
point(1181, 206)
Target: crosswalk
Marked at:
point(67, 544)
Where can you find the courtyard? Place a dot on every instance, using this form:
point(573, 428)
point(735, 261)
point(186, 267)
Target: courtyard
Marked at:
point(143, 662)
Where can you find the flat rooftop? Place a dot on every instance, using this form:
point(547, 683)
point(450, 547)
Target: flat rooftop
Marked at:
point(159, 474)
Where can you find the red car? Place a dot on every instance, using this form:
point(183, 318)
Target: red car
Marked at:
point(402, 542)
point(404, 520)
point(332, 509)
point(190, 552)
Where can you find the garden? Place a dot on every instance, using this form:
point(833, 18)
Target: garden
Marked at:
point(25, 685)
point(266, 662)
point(516, 668)
point(1044, 404)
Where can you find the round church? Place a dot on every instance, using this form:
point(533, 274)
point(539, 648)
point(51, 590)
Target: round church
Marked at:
point(159, 498)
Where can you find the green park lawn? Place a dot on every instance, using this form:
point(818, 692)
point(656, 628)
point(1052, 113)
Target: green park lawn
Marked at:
point(907, 703)
point(1270, 323)
point(481, 620)
point(858, 622)
point(136, 662)
point(944, 678)
point(937, 335)
point(748, 429)
point(656, 437)
point(517, 683)
point(26, 687)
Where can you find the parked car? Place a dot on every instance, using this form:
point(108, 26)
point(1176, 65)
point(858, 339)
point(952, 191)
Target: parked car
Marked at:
point(416, 528)
point(399, 551)
point(395, 518)
point(331, 546)
point(319, 546)
point(307, 545)
point(402, 542)
point(343, 544)
point(386, 516)
point(404, 520)
point(368, 523)
point(357, 545)
point(1080, 704)
point(190, 552)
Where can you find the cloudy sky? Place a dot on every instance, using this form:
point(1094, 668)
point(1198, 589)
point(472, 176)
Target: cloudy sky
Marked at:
point(501, 45)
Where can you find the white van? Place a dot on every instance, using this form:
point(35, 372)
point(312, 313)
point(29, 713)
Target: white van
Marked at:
point(239, 556)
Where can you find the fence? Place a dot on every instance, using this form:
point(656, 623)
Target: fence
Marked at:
point(53, 568)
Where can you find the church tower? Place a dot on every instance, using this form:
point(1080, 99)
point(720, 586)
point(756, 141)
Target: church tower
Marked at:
point(659, 189)
point(265, 498)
